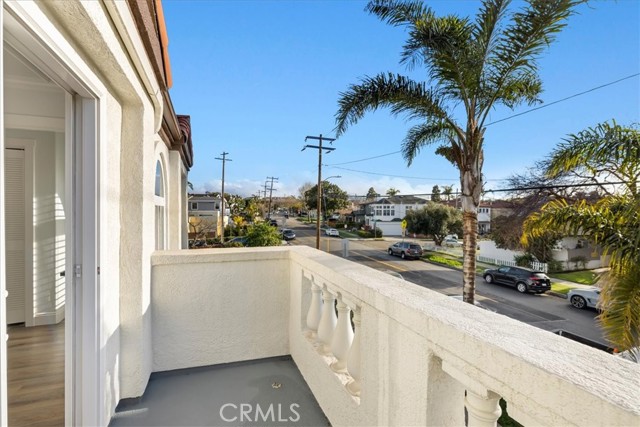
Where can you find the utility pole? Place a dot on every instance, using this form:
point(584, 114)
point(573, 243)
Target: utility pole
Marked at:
point(270, 193)
point(224, 160)
point(319, 147)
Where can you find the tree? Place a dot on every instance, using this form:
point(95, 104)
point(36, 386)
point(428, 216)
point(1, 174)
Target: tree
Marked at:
point(447, 191)
point(372, 194)
point(436, 220)
point(333, 197)
point(476, 65)
point(303, 189)
point(263, 234)
point(613, 221)
point(392, 192)
point(435, 193)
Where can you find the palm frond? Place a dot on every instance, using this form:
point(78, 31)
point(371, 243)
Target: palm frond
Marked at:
point(517, 49)
point(619, 300)
point(425, 134)
point(398, 13)
point(605, 146)
point(388, 90)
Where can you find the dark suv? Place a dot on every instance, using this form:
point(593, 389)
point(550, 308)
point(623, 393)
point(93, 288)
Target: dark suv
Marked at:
point(522, 278)
point(406, 250)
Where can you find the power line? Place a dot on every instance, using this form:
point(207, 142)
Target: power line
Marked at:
point(405, 176)
point(368, 158)
point(563, 99)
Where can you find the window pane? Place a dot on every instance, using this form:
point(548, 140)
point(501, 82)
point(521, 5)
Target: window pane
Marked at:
point(159, 181)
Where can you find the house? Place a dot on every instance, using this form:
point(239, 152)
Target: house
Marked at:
point(94, 180)
point(387, 213)
point(204, 215)
point(90, 80)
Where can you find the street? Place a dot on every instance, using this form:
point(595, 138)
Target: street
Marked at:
point(543, 311)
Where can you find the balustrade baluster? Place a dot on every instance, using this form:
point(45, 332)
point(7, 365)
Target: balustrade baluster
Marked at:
point(315, 310)
point(483, 411)
point(327, 322)
point(353, 359)
point(342, 337)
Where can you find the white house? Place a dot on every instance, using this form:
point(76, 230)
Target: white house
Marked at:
point(96, 160)
point(94, 179)
point(204, 213)
point(387, 213)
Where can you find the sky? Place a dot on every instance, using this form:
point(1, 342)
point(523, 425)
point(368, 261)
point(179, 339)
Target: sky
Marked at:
point(259, 76)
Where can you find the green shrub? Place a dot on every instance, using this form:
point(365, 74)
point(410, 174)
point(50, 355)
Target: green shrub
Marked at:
point(579, 261)
point(524, 260)
point(555, 266)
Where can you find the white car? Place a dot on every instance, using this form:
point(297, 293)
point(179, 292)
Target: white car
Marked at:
point(331, 232)
point(584, 297)
point(451, 242)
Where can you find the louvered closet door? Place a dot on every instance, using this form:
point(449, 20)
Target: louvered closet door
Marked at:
point(14, 162)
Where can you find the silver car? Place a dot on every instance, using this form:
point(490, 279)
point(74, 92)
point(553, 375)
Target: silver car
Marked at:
point(584, 297)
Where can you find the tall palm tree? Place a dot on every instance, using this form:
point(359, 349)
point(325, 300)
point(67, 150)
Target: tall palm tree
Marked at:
point(474, 64)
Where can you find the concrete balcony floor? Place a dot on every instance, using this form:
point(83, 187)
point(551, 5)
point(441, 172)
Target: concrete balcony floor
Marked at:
point(261, 392)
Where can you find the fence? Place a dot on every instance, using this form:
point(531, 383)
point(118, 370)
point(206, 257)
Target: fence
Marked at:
point(541, 266)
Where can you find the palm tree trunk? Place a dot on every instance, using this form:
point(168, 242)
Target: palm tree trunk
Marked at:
point(469, 230)
point(471, 184)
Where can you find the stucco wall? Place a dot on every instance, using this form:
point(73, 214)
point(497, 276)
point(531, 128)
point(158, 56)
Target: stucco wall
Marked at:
point(213, 306)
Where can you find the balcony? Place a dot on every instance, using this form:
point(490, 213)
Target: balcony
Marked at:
point(372, 349)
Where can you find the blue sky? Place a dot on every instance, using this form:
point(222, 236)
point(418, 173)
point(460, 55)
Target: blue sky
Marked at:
point(258, 76)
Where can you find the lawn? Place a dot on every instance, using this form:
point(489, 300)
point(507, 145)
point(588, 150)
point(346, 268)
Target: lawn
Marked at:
point(584, 277)
point(560, 288)
point(449, 261)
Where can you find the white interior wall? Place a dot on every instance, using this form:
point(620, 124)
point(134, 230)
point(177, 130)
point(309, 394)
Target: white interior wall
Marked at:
point(46, 201)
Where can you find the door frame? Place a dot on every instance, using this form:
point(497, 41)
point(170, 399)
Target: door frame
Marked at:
point(29, 31)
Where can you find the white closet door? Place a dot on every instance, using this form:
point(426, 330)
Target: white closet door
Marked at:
point(14, 166)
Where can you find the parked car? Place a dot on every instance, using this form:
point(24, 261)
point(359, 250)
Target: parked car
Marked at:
point(406, 250)
point(523, 279)
point(288, 234)
point(584, 297)
point(273, 223)
point(451, 241)
point(331, 232)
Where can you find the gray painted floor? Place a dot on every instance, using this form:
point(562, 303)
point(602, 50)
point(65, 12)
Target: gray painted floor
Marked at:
point(267, 392)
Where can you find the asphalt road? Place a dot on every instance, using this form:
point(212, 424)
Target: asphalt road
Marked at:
point(544, 311)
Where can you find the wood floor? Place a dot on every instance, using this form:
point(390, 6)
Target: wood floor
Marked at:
point(36, 375)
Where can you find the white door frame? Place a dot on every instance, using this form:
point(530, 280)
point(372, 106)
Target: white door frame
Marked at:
point(30, 32)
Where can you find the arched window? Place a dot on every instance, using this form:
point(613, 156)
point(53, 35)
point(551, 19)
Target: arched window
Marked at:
point(159, 201)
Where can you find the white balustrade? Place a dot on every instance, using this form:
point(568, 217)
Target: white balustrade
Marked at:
point(353, 359)
point(314, 313)
point(328, 322)
point(483, 411)
point(342, 337)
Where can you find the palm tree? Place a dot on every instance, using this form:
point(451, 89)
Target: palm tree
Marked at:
point(392, 192)
point(613, 222)
point(604, 152)
point(475, 64)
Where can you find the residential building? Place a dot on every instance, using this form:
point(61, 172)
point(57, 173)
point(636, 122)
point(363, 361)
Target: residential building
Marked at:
point(387, 213)
point(91, 79)
point(205, 219)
